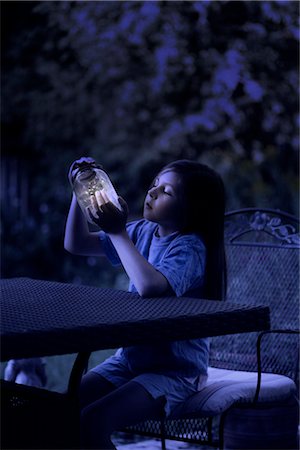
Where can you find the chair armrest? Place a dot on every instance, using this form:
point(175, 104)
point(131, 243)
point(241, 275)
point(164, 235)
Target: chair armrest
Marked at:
point(258, 353)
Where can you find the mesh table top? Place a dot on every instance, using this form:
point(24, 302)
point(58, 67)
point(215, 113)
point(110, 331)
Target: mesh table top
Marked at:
point(43, 318)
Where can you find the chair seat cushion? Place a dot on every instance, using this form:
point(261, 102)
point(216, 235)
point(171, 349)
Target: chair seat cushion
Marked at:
point(226, 387)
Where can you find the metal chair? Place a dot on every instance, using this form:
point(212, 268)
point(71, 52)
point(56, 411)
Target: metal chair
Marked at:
point(251, 399)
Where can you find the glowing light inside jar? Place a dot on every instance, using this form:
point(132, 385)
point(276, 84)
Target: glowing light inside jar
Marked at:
point(87, 183)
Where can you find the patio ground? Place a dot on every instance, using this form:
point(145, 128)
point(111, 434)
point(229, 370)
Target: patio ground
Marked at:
point(131, 442)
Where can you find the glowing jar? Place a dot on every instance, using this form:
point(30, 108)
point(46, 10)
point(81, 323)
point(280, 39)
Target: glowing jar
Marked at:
point(88, 181)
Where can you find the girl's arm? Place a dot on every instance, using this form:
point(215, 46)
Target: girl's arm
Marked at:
point(78, 239)
point(148, 281)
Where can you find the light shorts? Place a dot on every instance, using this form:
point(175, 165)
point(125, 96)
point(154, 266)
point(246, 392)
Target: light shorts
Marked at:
point(175, 389)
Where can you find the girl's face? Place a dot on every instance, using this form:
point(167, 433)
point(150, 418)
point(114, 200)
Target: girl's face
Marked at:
point(164, 201)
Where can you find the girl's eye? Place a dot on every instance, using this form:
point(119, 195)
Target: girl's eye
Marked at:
point(167, 192)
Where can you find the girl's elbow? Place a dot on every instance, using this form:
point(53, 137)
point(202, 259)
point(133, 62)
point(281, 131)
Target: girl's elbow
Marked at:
point(150, 291)
point(144, 293)
point(69, 248)
point(155, 286)
point(144, 290)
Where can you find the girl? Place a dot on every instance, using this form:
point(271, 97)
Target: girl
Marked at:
point(176, 249)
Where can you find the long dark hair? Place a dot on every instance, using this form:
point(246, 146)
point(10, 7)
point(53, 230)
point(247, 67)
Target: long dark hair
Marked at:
point(204, 208)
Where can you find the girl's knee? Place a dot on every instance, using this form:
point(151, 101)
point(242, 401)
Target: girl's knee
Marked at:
point(92, 388)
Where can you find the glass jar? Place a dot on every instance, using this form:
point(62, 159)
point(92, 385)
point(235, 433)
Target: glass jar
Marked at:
point(88, 180)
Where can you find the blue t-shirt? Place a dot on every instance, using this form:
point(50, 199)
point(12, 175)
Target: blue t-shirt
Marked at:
point(181, 259)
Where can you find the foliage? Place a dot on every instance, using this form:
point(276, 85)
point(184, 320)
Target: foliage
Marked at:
point(136, 85)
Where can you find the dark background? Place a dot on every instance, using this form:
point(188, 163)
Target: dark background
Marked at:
point(136, 85)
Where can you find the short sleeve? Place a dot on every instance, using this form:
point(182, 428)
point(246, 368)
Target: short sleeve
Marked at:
point(184, 265)
point(133, 230)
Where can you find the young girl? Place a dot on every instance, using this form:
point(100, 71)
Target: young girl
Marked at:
point(177, 249)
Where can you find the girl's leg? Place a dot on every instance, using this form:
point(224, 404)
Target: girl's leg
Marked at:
point(127, 405)
point(93, 387)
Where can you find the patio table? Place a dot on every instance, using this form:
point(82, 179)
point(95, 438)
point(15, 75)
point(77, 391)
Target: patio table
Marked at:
point(43, 318)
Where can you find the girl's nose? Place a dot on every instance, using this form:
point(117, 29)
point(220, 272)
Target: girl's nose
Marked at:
point(152, 192)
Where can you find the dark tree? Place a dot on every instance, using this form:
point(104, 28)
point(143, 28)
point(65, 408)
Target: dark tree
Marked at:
point(136, 85)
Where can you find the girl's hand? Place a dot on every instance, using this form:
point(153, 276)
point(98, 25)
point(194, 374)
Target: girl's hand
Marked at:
point(107, 216)
point(84, 160)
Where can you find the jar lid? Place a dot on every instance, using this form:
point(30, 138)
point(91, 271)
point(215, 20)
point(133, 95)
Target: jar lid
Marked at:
point(85, 174)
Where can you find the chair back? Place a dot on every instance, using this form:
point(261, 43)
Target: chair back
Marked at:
point(262, 252)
